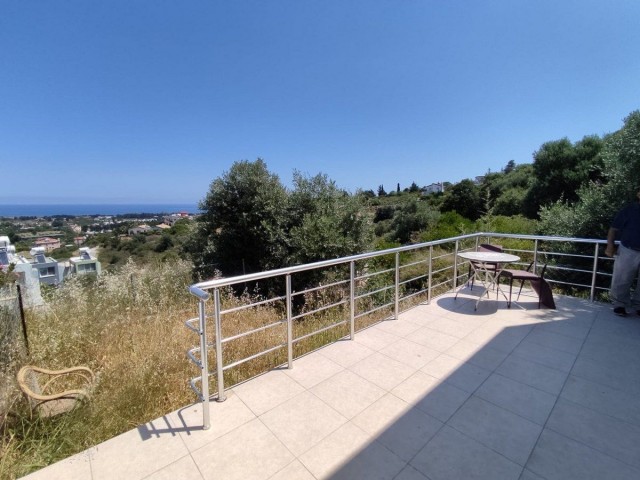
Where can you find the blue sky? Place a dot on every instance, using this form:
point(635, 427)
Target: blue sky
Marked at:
point(149, 101)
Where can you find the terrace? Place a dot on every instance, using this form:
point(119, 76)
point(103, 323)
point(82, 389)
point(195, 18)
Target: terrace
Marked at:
point(418, 384)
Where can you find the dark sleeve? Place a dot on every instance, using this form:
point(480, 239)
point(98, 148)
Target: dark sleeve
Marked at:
point(620, 219)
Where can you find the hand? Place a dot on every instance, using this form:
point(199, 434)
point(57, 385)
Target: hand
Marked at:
point(610, 251)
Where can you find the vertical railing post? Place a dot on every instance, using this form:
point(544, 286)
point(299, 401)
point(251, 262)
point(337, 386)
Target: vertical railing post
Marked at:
point(352, 300)
point(594, 274)
point(535, 255)
point(204, 363)
point(430, 273)
point(289, 324)
point(397, 282)
point(219, 366)
point(455, 266)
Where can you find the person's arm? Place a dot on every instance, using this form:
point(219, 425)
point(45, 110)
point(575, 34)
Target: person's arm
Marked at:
point(610, 251)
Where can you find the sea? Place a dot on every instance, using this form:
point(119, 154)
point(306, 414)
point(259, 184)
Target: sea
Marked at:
point(49, 210)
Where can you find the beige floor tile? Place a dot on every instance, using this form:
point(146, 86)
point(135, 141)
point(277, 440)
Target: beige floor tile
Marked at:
point(267, 391)
point(375, 339)
point(443, 366)
point(453, 455)
point(416, 387)
point(453, 327)
point(294, 471)
point(557, 457)
point(248, 452)
point(611, 436)
point(538, 376)
point(137, 453)
point(431, 395)
point(397, 425)
point(483, 356)
point(348, 393)
point(76, 467)
point(410, 353)
point(400, 328)
point(433, 339)
point(350, 454)
point(544, 355)
point(312, 369)
point(521, 399)
point(420, 314)
point(603, 399)
point(505, 432)
point(224, 417)
point(346, 352)
point(382, 371)
point(183, 468)
point(302, 422)
point(410, 473)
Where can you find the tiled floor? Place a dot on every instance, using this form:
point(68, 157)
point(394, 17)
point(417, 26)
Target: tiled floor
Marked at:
point(445, 392)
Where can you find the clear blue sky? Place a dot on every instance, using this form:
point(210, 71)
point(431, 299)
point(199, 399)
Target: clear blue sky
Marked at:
point(149, 101)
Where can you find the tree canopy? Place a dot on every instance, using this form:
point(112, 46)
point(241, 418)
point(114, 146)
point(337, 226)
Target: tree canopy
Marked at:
point(251, 222)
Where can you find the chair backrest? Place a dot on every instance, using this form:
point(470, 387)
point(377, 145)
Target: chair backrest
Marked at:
point(541, 274)
point(544, 267)
point(487, 247)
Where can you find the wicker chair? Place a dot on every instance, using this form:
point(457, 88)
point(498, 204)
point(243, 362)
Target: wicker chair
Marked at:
point(73, 385)
point(537, 283)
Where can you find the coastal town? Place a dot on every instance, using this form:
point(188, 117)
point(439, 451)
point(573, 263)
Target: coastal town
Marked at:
point(47, 250)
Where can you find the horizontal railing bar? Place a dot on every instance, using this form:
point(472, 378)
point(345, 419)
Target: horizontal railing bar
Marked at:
point(316, 332)
point(321, 287)
point(386, 305)
point(441, 283)
point(325, 307)
point(255, 330)
point(413, 279)
point(252, 357)
point(368, 294)
point(374, 274)
point(223, 282)
point(568, 283)
point(411, 295)
point(412, 264)
point(449, 267)
point(257, 304)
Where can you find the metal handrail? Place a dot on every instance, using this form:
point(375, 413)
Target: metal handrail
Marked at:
point(440, 271)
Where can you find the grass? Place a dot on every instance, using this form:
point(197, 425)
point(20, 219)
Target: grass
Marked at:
point(128, 328)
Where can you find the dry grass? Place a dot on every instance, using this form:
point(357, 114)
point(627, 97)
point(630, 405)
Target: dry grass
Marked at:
point(128, 328)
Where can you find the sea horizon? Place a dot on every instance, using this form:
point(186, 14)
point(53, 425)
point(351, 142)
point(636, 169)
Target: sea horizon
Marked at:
point(89, 209)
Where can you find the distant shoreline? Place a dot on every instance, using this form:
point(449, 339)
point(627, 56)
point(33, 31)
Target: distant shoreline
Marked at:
point(77, 210)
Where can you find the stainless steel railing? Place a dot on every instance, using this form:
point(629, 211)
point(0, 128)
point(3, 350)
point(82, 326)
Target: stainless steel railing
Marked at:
point(363, 289)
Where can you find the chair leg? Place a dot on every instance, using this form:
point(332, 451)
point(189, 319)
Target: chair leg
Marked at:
point(510, 291)
point(520, 291)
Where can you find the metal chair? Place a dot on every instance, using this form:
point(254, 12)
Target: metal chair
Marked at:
point(74, 385)
point(525, 276)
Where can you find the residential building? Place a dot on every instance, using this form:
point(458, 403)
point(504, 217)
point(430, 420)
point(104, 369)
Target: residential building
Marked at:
point(28, 277)
point(49, 270)
point(433, 188)
point(139, 229)
point(47, 243)
point(85, 264)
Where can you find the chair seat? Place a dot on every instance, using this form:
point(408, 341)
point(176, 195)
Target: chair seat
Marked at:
point(520, 274)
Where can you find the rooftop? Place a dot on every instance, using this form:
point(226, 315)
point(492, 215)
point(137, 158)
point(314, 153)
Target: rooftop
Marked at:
point(444, 392)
